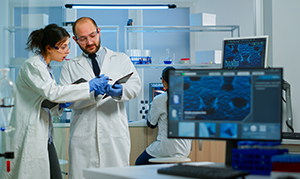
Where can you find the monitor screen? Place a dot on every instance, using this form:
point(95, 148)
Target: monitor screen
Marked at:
point(221, 104)
point(245, 52)
point(154, 90)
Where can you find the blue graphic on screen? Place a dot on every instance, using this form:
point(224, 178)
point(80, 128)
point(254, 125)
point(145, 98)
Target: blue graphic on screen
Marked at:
point(228, 130)
point(207, 129)
point(186, 129)
point(244, 54)
point(217, 98)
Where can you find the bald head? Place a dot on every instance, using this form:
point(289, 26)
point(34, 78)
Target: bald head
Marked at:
point(80, 21)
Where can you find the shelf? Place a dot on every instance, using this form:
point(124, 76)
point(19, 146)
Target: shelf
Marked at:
point(184, 42)
point(114, 29)
point(179, 65)
point(134, 35)
point(218, 28)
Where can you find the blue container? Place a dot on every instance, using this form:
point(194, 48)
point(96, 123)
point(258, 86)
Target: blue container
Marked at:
point(256, 161)
point(140, 60)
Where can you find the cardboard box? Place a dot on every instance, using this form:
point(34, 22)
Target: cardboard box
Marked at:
point(34, 20)
point(202, 19)
point(210, 56)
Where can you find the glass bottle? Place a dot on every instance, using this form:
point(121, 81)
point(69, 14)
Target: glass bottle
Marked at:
point(6, 98)
point(168, 59)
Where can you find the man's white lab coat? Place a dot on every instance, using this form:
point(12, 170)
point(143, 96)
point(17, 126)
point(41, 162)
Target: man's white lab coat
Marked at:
point(99, 134)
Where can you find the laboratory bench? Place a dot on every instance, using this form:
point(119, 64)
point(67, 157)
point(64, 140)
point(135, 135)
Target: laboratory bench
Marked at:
point(145, 172)
point(142, 136)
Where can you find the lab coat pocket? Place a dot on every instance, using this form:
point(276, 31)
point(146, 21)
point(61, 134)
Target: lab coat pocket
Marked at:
point(35, 143)
point(119, 126)
point(79, 125)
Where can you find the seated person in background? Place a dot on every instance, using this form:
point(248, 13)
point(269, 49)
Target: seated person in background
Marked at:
point(157, 116)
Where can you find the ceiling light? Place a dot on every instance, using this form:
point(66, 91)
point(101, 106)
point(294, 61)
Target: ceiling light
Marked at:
point(121, 6)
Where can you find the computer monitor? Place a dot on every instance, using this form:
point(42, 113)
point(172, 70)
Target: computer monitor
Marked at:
point(222, 104)
point(154, 90)
point(245, 52)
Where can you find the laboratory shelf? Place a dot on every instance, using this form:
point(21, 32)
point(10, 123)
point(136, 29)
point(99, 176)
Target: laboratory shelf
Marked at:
point(179, 65)
point(233, 29)
point(114, 29)
point(219, 28)
point(16, 36)
point(158, 40)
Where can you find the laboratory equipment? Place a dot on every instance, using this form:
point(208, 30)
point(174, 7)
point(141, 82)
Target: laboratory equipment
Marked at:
point(245, 52)
point(7, 103)
point(138, 56)
point(7, 98)
point(222, 104)
point(288, 101)
point(155, 89)
point(168, 59)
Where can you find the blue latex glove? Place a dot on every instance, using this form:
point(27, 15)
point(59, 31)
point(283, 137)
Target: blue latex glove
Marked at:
point(99, 84)
point(115, 90)
point(64, 105)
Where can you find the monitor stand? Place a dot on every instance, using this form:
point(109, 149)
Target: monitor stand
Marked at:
point(289, 114)
point(230, 144)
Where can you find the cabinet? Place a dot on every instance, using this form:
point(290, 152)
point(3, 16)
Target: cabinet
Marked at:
point(202, 150)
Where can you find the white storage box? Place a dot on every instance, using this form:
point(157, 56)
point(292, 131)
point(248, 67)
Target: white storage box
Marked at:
point(34, 20)
point(210, 56)
point(202, 19)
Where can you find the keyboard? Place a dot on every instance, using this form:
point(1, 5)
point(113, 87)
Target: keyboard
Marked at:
point(203, 172)
point(290, 135)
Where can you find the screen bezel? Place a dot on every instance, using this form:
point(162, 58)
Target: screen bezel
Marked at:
point(266, 60)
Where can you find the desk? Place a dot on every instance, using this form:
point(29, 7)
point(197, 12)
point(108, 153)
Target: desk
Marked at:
point(143, 172)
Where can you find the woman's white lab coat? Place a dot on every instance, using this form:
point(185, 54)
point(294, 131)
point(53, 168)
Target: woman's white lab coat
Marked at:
point(99, 134)
point(164, 147)
point(29, 140)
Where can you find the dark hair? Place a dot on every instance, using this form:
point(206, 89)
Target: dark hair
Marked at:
point(165, 74)
point(83, 19)
point(50, 35)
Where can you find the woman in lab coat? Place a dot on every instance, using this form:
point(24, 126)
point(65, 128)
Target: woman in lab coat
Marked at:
point(31, 141)
point(157, 116)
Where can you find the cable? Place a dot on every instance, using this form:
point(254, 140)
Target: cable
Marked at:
point(286, 122)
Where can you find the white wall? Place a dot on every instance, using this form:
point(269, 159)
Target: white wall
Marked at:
point(229, 12)
point(286, 47)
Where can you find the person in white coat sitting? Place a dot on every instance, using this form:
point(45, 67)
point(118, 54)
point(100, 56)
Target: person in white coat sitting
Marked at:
point(32, 139)
point(99, 133)
point(157, 116)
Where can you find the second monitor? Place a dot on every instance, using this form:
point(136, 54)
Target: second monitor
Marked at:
point(245, 52)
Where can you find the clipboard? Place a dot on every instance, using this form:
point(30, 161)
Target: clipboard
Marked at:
point(121, 80)
point(48, 104)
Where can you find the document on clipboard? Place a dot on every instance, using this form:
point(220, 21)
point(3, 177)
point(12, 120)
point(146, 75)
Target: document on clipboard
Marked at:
point(48, 104)
point(121, 80)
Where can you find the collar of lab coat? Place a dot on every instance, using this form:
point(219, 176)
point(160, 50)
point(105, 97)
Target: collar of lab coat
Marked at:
point(82, 61)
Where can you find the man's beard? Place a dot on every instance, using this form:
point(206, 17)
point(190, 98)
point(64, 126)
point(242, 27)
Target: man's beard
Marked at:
point(95, 51)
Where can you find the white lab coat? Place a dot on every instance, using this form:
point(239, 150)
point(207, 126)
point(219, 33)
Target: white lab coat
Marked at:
point(31, 121)
point(164, 147)
point(99, 134)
